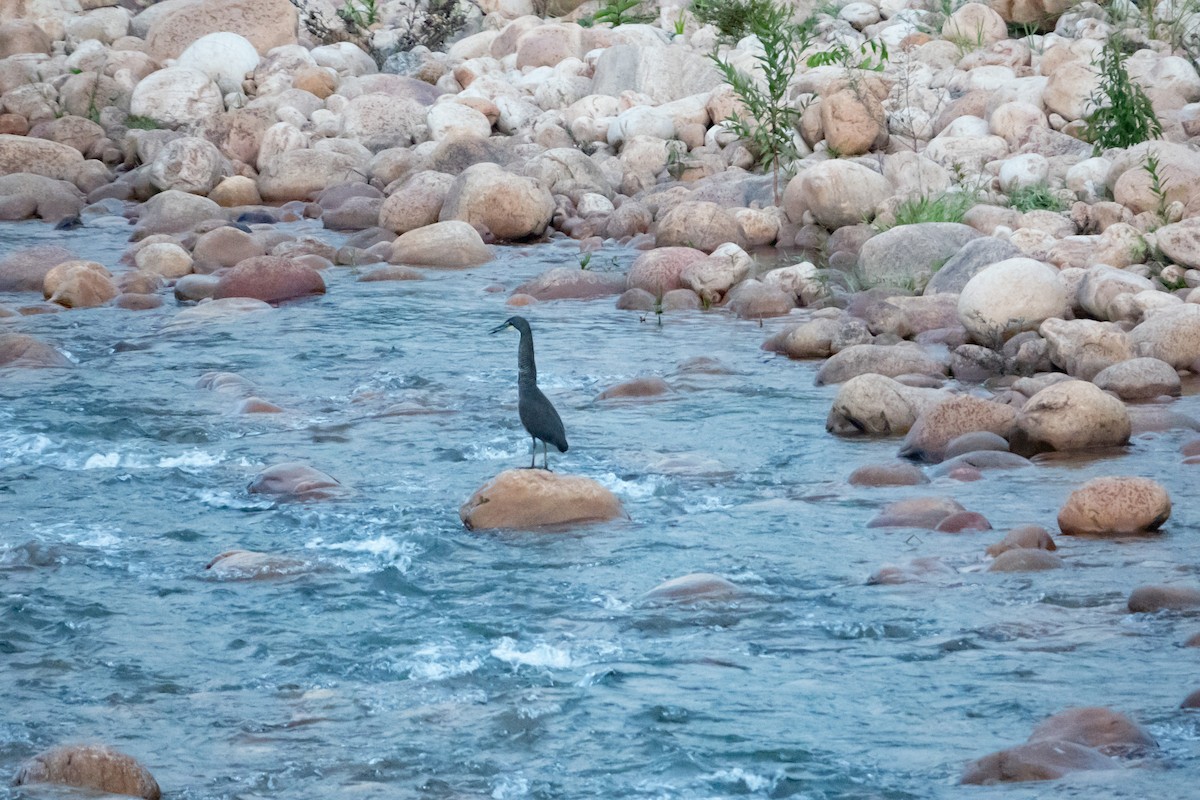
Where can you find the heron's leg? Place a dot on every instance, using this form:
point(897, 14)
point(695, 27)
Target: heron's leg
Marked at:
point(545, 462)
point(533, 453)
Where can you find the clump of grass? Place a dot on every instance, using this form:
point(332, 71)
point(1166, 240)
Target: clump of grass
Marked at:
point(137, 122)
point(621, 12)
point(1037, 197)
point(1123, 115)
point(946, 206)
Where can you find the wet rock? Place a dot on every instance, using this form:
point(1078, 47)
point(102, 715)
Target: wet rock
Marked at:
point(1034, 761)
point(636, 300)
point(1139, 379)
point(712, 277)
point(963, 521)
point(909, 255)
point(652, 386)
point(302, 174)
point(1192, 700)
point(1024, 559)
point(819, 338)
point(692, 588)
point(918, 570)
point(1070, 415)
point(225, 382)
point(234, 191)
point(885, 360)
point(532, 498)
point(21, 350)
point(875, 405)
point(562, 283)
point(752, 299)
point(700, 225)
point(949, 419)
point(256, 405)
point(981, 460)
point(916, 512)
point(174, 211)
point(1084, 347)
point(659, 271)
point(137, 302)
point(1115, 505)
point(971, 259)
point(1110, 732)
point(96, 767)
point(194, 288)
point(79, 284)
point(225, 309)
point(512, 207)
point(443, 244)
point(1148, 599)
point(1192, 641)
point(246, 565)
point(225, 246)
point(391, 272)
point(294, 481)
point(895, 473)
point(1009, 297)
point(1032, 537)
point(681, 300)
point(24, 270)
point(973, 442)
point(271, 279)
point(164, 259)
point(1170, 334)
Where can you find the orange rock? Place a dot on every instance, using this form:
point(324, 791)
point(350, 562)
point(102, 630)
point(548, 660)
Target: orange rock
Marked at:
point(531, 498)
point(1026, 536)
point(916, 512)
point(638, 387)
point(96, 767)
point(1163, 598)
point(79, 284)
point(1115, 505)
point(1102, 728)
point(1034, 761)
point(271, 279)
point(1025, 559)
point(896, 473)
point(964, 521)
point(256, 405)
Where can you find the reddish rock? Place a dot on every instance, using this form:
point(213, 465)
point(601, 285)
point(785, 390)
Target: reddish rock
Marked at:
point(964, 521)
point(697, 586)
point(95, 767)
point(919, 570)
point(1025, 537)
point(296, 481)
point(1106, 730)
point(256, 405)
point(271, 279)
point(1192, 641)
point(937, 426)
point(897, 473)
point(658, 271)
point(521, 300)
point(569, 283)
point(916, 512)
point(1024, 559)
point(25, 270)
point(533, 498)
point(137, 302)
point(1115, 505)
point(1164, 598)
point(637, 388)
point(1034, 761)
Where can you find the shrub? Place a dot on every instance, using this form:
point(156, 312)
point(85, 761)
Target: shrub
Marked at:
point(1123, 115)
point(1035, 197)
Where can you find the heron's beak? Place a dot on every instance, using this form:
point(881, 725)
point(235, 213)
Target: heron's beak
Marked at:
point(499, 328)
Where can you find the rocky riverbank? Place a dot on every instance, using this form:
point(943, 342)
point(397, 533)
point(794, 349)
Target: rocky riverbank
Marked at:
point(1058, 310)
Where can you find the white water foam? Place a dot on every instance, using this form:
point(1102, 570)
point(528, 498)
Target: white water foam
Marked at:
point(639, 489)
point(384, 549)
point(541, 655)
point(438, 662)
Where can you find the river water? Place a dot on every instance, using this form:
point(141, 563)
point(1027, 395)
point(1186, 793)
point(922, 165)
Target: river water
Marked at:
point(426, 661)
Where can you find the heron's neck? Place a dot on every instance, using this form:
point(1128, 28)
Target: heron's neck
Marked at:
point(526, 368)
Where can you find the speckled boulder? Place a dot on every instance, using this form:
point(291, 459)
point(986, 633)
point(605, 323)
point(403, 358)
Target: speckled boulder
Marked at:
point(1070, 415)
point(561, 283)
point(24, 270)
point(692, 588)
point(882, 360)
point(266, 23)
point(660, 270)
point(443, 244)
point(38, 156)
point(1170, 334)
point(1148, 599)
point(1011, 296)
point(837, 193)
point(511, 207)
point(1139, 379)
point(1084, 347)
point(938, 425)
point(271, 279)
point(1115, 505)
point(95, 767)
point(534, 498)
point(702, 225)
point(876, 405)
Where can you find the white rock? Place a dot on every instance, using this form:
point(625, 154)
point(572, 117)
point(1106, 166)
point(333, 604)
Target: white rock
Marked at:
point(640, 121)
point(1023, 171)
point(1011, 296)
point(176, 96)
point(189, 164)
point(225, 58)
point(449, 120)
point(1088, 179)
point(345, 58)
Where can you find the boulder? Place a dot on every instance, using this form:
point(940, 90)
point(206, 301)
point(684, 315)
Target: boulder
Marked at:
point(511, 207)
point(176, 97)
point(567, 171)
point(417, 202)
point(1150, 599)
point(895, 473)
point(1101, 290)
point(1025, 559)
point(1115, 506)
point(25, 194)
point(1033, 537)
point(1170, 334)
point(378, 121)
point(700, 225)
point(19, 36)
point(294, 481)
point(302, 174)
point(975, 442)
point(971, 259)
point(945, 421)
point(174, 211)
point(637, 388)
point(1110, 732)
point(836, 192)
point(714, 276)
point(975, 26)
point(1180, 242)
point(909, 255)
point(38, 156)
point(24, 270)
point(79, 284)
point(189, 164)
point(692, 588)
point(533, 498)
point(1070, 88)
point(1011, 296)
point(443, 244)
point(94, 767)
point(1139, 379)
point(1070, 415)
point(963, 521)
point(1084, 347)
point(21, 350)
point(753, 299)
point(915, 512)
point(166, 259)
point(225, 57)
point(225, 246)
point(563, 283)
point(664, 73)
point(818, 338)
point(271, 279)
point(886, 360)
point(660, 270)
point(265, 23)
point(875, 405)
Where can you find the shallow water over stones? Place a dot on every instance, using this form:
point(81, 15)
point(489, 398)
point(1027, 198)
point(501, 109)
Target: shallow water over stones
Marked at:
point(418, 659)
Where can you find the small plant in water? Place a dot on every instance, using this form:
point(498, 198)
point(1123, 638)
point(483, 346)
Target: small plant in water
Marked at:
point(584, 260)
point(1123, 115)
point(771, 123)
point(1036, 197)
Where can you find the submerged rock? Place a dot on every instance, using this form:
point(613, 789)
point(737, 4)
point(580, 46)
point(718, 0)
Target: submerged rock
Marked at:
point(534, 498)
point(96, 767)
point(246, 565)
point(1035, 761)
point(1025, 537)
point(916, 512)
point(21, 350)
point(651, 386)
point(271, 279)
point(1148, 599)
point(694, 587)
point(1025, 559)
point(295, 481)
point(1070, 415)
point(895, 473)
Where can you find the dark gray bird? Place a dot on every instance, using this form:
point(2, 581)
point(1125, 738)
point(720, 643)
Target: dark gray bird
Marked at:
point(537, 413)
